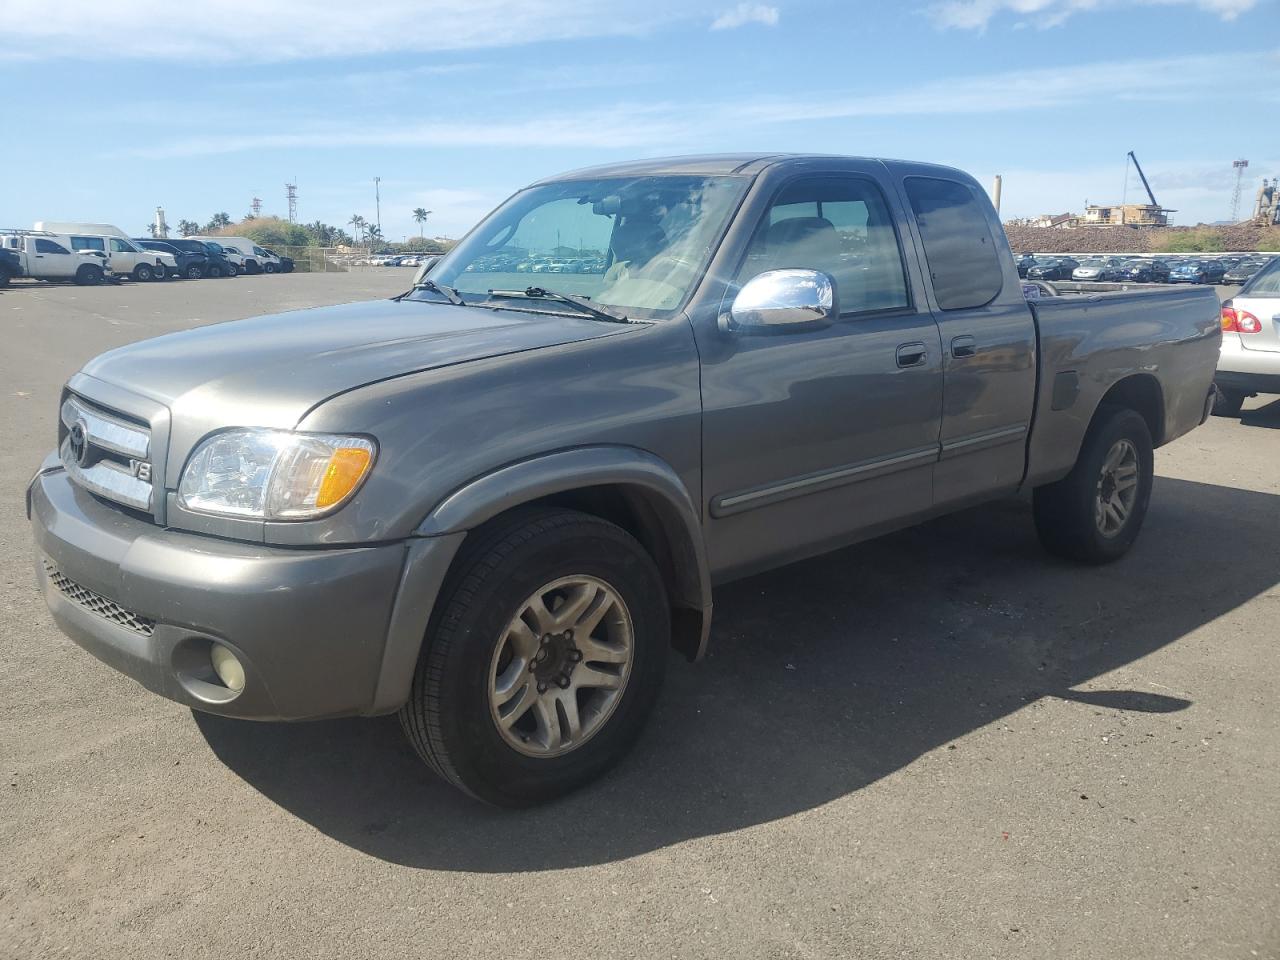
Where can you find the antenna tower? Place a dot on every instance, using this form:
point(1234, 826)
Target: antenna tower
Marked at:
point(1239, 166)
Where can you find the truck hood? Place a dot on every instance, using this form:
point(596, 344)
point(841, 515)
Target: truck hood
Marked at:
point(270, 371)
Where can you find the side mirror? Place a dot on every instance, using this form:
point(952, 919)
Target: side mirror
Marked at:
point(783, 301)
point(425, 268)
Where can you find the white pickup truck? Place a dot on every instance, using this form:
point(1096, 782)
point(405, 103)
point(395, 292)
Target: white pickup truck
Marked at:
point(44, 255)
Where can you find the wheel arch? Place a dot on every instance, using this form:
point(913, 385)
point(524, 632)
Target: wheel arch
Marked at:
point(627, 486)
point(1142, 393)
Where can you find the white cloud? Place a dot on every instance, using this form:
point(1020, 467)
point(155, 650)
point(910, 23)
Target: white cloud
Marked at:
point(251, 30)
point(1159, 79)
point(745, 13)
point(977, 14)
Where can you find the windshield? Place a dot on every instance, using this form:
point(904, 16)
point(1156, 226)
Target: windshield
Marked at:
point(638, 245)
point(213, 247)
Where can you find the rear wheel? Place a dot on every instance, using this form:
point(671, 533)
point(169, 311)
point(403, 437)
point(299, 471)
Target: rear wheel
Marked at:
point(234, 270)
point(213, 270)
point(89, 274)
point(143, 272)
point(1227, 403)
point(193, 272)
point(4, 277)
point(544, 659)
point(1095, 512)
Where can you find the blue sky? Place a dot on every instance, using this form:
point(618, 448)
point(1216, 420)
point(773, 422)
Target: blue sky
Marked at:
point(117, 109)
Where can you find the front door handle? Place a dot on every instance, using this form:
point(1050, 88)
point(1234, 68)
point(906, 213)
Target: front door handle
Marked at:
point(964, 347)
point(912, 354)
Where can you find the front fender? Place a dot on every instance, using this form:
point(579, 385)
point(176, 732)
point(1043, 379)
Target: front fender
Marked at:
point(629, 468)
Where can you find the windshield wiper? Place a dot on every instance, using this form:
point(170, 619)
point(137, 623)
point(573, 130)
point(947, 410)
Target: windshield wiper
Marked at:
point(444, 290)
point(582, 303)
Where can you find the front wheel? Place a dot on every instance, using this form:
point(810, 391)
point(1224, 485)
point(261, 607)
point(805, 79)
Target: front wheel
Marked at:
point(193, 272)
point(544, 658)
point(89, 275)
point(268, 268)
point(1095, 512)
point(142, 272)
point(234, 270)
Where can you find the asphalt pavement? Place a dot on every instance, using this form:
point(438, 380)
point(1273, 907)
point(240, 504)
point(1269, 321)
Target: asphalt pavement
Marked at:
point(943, 743)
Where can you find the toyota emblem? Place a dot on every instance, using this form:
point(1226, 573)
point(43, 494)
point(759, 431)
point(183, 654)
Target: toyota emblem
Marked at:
point(78, 440)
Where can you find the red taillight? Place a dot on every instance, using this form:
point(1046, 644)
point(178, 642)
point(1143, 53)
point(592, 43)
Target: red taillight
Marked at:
point(1230, 321)
point(1248, 323)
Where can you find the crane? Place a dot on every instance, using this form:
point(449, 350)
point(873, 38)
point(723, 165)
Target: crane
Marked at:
point(1138, 167)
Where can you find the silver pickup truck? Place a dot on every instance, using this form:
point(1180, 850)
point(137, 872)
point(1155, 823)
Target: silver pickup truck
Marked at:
point(495, 502)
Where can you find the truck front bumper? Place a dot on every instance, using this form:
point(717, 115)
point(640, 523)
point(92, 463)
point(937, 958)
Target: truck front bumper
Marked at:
point(318, 632)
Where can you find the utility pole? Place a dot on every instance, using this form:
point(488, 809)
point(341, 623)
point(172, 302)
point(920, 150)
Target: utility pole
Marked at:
point(1239, 166)
point(377, 199)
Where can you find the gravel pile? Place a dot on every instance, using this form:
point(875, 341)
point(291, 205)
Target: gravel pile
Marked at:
point(1240, 237)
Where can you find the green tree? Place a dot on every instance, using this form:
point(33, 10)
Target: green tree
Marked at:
point(188, 228)
point(357, 222)
point(420, 217)
point(219, 221)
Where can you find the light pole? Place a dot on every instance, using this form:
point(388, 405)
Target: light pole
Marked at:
point(377, 199)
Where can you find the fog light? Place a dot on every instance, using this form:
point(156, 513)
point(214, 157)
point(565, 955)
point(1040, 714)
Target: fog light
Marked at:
point(229, 670)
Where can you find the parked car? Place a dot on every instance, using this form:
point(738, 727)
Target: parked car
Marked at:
point(1104, 270)
point(1052, 268)
point(1145, 271)
point(128, 260)
point(1250, 359)
point(190, 264)
point(233, 257)
point(400, 505)
point(45, 255)
point(251, 257)
point(1243, 271)
point(1024, 263)
point(1196, 271)
point(284, 264)
point(10, 265)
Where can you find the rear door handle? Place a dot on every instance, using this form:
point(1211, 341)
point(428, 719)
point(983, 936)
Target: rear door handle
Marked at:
point(964, 346)
point(912, 354)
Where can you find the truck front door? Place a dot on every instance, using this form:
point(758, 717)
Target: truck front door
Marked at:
point(813, 438)
point(50, 260)
point(988, 339)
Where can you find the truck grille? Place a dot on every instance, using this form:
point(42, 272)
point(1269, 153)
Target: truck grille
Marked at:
point(97, 604)
point(106, 453)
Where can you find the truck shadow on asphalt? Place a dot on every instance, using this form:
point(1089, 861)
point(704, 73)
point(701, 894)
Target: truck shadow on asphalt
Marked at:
point(1268, 416)
point(823, 678)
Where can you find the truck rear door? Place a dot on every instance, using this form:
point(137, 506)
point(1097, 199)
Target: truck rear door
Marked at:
point(988, 336)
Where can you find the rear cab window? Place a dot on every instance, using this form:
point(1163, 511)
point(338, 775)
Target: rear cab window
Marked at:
point(960, 252)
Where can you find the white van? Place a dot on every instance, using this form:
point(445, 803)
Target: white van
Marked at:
point(50, 256)
point(256, 259)
point(127, 258)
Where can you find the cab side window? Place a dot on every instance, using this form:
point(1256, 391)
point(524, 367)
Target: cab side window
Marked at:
point(958, 246)
point(48, 246)
point(119, 246)
point(841, 226)
point(87, 243)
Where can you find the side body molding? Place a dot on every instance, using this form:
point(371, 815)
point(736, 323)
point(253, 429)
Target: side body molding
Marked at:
point(648, 483)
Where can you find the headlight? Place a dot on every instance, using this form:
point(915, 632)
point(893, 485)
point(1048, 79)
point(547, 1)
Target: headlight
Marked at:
point(274, 474)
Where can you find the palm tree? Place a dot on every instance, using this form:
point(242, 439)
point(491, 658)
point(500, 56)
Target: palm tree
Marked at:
point(420, 217)
point(357, 223)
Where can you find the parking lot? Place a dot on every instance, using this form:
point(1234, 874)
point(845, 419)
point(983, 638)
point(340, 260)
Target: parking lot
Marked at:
point(940, 744)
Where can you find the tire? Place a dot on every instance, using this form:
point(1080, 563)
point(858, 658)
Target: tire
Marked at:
point(143, 273)
point(194, 272)
point(455, 705)
point(1227, 403)
point(213, 270)
point(233, 270)
point(4, 278)
point(88, 274)
point(1077, 517)
point(268, 268)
